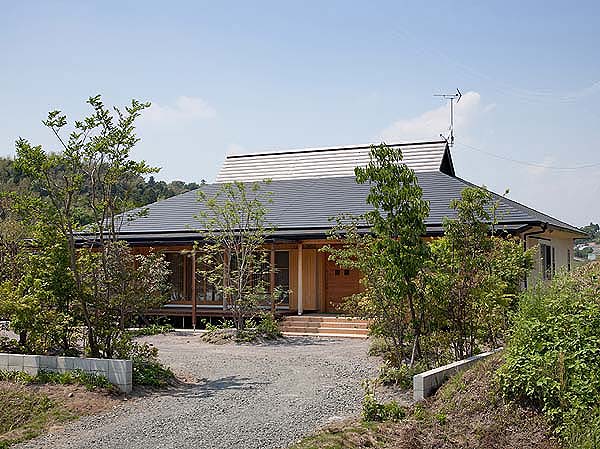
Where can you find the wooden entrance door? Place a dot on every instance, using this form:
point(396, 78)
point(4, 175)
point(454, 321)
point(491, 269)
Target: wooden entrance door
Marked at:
point(339, 284)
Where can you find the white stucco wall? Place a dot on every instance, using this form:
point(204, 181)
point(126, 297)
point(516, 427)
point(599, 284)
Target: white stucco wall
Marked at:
point(562, 242)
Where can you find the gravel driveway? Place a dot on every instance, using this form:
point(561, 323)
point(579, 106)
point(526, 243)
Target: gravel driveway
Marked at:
point(239, 396)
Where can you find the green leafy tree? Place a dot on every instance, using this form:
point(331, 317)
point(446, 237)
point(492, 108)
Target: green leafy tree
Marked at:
point(234, 228)
point(392, 256)
point(34, 276)
point(593, 231)
point(474, 277)
point(119, 286)
point(90, 179)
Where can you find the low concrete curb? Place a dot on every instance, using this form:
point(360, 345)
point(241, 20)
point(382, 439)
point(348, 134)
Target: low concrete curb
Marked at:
point(427, 383)
point(118, 372)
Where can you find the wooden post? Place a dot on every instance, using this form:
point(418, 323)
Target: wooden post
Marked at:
point(272, 279)
point(300, 307)
point(194, 299)
point(225, 278)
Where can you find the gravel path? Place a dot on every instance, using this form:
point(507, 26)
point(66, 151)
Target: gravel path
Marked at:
point(243, 396)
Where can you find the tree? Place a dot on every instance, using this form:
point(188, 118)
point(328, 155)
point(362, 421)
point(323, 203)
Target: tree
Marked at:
point(474, 276)
point(392, 256)
point(234, 228)
point(90, 179)
point(34, 276)
point(593, 231)
point(120, 285)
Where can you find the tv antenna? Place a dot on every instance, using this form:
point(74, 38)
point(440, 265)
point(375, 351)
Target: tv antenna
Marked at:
point(452, 97)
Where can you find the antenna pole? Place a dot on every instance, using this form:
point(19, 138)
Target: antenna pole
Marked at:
point(457, 96)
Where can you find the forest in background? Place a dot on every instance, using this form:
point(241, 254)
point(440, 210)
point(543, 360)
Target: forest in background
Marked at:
point(144, 191)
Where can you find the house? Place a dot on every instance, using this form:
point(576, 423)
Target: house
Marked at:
point(308, 187)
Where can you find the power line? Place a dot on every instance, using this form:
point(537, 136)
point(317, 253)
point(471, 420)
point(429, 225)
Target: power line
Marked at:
point(527, 95)
point(531, 164)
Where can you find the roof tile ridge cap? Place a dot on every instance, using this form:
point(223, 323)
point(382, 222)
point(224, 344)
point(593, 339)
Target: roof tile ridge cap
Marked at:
point(334, 148)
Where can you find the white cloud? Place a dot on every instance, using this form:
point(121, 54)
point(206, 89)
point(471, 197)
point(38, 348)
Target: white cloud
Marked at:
point(184, 109)
point(431, 124)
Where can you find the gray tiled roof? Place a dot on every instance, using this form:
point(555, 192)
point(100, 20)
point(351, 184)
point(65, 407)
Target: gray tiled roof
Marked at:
point(304, 206)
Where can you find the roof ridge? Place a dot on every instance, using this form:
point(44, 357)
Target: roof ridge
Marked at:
point(332, 148)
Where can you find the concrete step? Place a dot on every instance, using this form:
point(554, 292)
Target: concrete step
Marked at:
point(317, 318)
point(325, 330)
point(349, 324)
point(312, 334)
point(325, 325)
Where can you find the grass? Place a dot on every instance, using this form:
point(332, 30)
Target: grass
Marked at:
point(75, 377)
point(26, 413)
point(349, 435)
point(31, 404)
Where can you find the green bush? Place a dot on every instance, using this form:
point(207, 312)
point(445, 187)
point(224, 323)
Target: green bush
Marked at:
point(553, 355)
point(375, 411)
point(147, 369)
point(401, 377)
point(584, 433)
point(268, 327)
point(79, 377)
point(11, 346)
point(151, 373)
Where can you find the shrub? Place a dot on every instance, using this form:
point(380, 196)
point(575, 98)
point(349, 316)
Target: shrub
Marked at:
point(553, 355)
point(151, 373)
point(147, 369)
point(11, 346)
point(401, 377)
point(584, 433)
point(375, 411)
point(268, 327)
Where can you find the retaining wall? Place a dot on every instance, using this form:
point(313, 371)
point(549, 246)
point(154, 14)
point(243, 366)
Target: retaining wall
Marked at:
point(427, 383)
point(118, 372)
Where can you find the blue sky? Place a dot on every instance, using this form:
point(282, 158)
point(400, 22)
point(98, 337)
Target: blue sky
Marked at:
point(246, 76)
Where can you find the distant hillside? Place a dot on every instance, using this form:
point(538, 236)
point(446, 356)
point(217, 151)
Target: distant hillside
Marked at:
point(144, 191)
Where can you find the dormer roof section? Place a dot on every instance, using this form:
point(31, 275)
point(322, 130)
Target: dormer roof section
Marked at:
point(314, 163)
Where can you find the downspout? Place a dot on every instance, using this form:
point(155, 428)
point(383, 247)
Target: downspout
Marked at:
point(544, 227)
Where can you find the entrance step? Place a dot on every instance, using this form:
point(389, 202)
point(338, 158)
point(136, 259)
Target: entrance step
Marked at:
point(325, 326)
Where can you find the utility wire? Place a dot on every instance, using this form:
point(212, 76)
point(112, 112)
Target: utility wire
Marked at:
point(527, 95)
point(531, 164)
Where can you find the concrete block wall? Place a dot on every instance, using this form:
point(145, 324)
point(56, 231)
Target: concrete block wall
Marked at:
point(118, 372)
point(426, 384)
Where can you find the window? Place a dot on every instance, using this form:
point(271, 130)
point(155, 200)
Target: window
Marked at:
point(548, 261)
point(568, 260)
point(205, 291)
point(177, 277)
point(282, 275)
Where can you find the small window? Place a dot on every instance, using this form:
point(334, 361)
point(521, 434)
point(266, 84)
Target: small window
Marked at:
point(548, 261)
point(337, 272)
point(346, 272)
point(569, 260)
